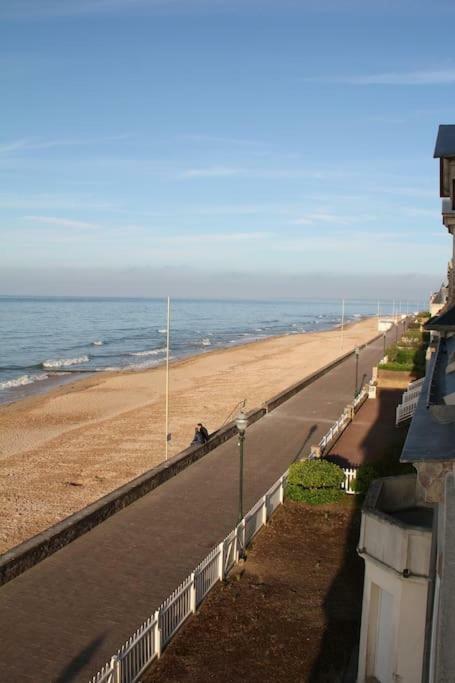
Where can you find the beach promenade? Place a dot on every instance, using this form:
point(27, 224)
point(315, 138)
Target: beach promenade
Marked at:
point(65, 617)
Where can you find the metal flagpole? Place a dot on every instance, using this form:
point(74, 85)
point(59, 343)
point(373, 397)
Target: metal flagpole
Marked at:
point(167, 374)
point(342, 323)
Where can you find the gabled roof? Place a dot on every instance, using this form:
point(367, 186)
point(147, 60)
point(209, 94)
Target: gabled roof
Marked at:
point(445, 142)
point(444, 322)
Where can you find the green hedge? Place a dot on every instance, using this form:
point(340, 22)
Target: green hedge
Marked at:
point(315, 482)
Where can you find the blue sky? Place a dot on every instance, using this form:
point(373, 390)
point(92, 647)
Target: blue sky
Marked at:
point(154, 145)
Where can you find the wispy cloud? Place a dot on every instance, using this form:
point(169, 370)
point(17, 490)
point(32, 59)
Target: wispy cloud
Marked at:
point(38, 202)
point(212, 172)
point(25, 144)
point(62, 222)
point(222, 140)
point(243, 172)
point(214, 238)
point(331, 218)
point(420, 77)
point(18, 9)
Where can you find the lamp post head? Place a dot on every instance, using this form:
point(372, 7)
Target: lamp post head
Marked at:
point(241, 422)
point(357, 351)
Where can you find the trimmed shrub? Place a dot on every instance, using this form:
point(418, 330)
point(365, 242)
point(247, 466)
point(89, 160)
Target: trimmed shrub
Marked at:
point(315, 482)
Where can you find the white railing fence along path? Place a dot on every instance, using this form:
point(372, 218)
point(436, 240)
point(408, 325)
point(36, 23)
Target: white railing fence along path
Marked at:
point(131, 660)
point(409, 400)
point(416, 383)
point(350, 475)
point(405, 411)
point(342, 422)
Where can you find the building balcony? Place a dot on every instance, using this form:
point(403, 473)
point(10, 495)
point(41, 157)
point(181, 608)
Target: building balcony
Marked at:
point(396, 531)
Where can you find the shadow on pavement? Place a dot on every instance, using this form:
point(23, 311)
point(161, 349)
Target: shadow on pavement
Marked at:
point(71, 670)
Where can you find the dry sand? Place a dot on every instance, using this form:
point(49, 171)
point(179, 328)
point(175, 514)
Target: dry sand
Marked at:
point(61, 451)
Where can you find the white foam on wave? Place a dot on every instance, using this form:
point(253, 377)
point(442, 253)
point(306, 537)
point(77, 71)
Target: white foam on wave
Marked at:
point(22, 381)
point(162, 331)
point(145, 365)
point(64, 362)
point(206, 342)
point(98, 342)
point(152, 352)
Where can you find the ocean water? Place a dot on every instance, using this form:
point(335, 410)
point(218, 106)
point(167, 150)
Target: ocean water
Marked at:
point(48, 341)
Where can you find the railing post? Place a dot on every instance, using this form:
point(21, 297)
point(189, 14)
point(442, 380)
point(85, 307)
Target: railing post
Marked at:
point(115, 666)
point(264, 510)
point(157, 634)
point(221, 561)
point(193, 593)
point(282, 490)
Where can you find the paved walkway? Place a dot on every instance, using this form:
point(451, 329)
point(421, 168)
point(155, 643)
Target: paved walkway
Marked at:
point(62, 619)
point(372, 434)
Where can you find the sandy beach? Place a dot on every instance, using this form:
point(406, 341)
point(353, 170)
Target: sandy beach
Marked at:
point(63, 450)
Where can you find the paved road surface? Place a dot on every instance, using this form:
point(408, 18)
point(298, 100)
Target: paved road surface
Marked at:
point(61, 620)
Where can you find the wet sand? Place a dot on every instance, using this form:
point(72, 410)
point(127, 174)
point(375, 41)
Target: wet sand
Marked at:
point(63, 450)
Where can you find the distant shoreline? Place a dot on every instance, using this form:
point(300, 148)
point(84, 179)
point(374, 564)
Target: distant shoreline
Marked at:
point(61, 377)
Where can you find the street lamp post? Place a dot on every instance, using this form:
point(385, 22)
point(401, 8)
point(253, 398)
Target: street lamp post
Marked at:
point(384, 340)
point(357, 354)
point(241, 423)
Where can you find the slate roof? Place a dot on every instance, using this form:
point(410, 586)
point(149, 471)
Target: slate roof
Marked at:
point(445, 142)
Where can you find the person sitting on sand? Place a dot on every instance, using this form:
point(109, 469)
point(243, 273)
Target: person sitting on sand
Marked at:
point(201, 435)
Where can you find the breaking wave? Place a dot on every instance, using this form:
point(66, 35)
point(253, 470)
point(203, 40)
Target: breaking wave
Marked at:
point(64, 362)
point(152, 352)
point(22, 381)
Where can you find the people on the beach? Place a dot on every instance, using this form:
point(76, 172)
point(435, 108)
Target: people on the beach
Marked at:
point(201, 435)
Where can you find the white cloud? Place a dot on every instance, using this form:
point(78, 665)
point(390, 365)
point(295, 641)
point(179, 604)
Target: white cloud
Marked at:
point(214, 238)
point(222, 140)
point(26, 144)
point(54, 202)
point(62, 222)
point(212, 172)
point(332, 218)
point(264, 173)
point(61, 8)
point(421, 77)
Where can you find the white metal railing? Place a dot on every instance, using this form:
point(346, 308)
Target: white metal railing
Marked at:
point(409, 401)
point(134, 657)
point(416, 383)
point(334, 431)
point(405, 411)
point(131, 660)
point(350, 475)
point(411, 395)
point(342, 421)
